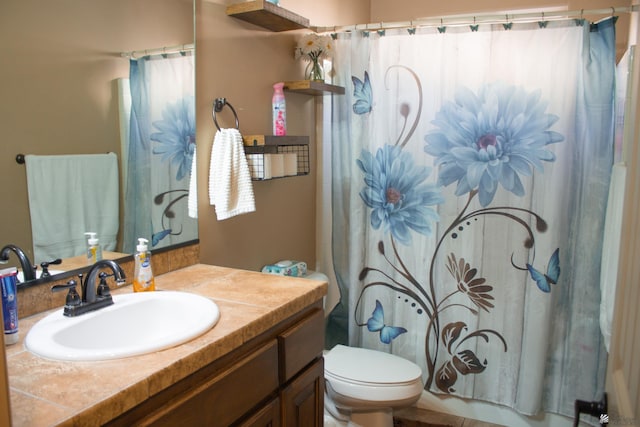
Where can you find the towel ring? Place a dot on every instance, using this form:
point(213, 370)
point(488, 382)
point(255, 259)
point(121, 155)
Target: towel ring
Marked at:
point(218, 105)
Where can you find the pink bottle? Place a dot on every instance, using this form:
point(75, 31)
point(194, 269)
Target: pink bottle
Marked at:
point(279, 110)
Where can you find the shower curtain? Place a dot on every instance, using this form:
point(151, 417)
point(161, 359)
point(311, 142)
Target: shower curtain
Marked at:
point(161, 149)
point(470, 170)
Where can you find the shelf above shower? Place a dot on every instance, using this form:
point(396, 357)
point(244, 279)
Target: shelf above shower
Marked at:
point(311, 87)
point(267, 15)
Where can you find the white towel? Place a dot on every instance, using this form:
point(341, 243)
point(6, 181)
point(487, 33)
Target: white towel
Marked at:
point(68, 196)
point(230, 187)
point(611, 249)
point(192, 200)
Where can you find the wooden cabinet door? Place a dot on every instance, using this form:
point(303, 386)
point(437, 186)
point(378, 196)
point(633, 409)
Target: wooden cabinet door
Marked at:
point(302, 401)
point(268, 416)
point(218, 401)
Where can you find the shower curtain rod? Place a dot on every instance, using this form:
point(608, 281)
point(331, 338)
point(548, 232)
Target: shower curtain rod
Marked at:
point(481, 18)
point(167, 50)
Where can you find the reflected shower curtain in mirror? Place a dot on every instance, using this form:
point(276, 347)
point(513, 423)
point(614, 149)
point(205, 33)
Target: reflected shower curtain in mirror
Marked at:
point(470, 170)
point(161, 147)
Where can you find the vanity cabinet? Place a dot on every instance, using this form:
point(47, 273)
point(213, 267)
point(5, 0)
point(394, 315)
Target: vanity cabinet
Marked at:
point(276, 379)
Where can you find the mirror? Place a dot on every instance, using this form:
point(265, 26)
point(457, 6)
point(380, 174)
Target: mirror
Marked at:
point(62, 61)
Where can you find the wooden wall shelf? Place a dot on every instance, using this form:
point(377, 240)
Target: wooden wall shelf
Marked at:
point(267, 15)
point(311, 87)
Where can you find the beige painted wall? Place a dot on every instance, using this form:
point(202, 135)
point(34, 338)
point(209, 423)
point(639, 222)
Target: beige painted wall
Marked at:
point(57, 94)
point(240, 62)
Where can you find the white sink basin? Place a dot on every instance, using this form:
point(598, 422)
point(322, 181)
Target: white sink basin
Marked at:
point(137, 323)
point(20, 276)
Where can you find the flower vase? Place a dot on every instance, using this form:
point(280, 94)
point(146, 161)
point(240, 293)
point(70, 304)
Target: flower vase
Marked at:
point(314, 71)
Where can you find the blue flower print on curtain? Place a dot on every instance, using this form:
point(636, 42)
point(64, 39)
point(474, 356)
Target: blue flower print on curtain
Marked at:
point(482, 142)
point(175, 144)
point(491, 138)
point(176, 136)
point(161, 151)
point(400, 199)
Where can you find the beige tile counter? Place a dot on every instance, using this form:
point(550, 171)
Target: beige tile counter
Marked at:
point(52, 393)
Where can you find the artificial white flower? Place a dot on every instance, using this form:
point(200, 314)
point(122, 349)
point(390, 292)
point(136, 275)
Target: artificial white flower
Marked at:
point(313, 47)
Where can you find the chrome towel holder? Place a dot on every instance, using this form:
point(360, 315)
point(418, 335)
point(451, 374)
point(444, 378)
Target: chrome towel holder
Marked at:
point(218, 105)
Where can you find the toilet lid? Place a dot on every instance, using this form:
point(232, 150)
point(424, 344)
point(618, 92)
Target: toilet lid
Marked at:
point(369, 366)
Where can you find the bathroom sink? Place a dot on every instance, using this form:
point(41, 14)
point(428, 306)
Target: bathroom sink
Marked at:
point(136, 323)
point(20, 276)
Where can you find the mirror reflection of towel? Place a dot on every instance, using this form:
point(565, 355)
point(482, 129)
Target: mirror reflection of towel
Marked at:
point(68, 196)
point(230, 187)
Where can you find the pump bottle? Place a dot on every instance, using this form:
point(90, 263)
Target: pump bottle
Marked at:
point(143, 279)
point(94, 252)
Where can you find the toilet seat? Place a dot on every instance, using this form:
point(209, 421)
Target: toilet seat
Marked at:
point(370, 375)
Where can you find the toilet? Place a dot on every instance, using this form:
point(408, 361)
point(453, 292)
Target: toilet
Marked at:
point(363, 387)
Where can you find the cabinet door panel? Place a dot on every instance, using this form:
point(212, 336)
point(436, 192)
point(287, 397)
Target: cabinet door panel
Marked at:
point(301, 344)
point(303, 399)
point(226, 397)
point(268, 416)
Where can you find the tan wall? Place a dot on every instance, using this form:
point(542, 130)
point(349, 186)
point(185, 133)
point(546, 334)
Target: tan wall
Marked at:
point(240, 62)
point(57, 93)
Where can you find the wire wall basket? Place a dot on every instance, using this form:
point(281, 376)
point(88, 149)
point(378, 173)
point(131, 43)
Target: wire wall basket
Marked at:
point(277, 161)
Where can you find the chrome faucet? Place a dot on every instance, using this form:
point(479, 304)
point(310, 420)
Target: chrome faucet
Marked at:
point(28, 270)
point(91, 300)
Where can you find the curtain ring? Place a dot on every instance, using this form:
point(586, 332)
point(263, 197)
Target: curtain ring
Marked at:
point(613, 11)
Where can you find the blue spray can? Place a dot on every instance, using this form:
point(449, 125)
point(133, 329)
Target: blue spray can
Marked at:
point(8, 280)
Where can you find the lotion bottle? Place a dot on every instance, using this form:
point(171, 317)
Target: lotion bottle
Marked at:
point(279, 110)
point(94, 252)
point(143, 275)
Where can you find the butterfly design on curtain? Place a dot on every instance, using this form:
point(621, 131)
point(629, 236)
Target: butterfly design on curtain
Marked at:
point(544, 281)
point(363, 94)
point(376, 324)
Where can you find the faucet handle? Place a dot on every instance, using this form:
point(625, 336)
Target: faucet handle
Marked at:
point(45, 266)
point(73, 298)
point(103, 288)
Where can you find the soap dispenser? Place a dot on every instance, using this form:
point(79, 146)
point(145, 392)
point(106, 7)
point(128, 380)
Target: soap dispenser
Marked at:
point(143, 275)
point(94, 252)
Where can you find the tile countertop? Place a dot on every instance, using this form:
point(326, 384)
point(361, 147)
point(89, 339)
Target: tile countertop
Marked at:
point(52, 393)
